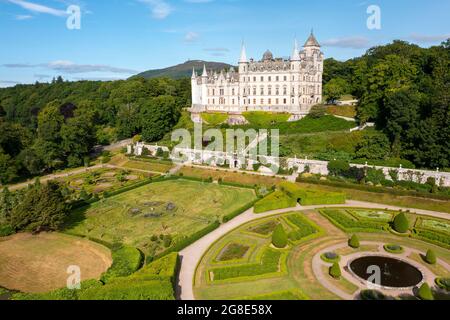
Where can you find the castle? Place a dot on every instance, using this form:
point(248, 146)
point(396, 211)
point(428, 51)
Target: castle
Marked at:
point(278, 85)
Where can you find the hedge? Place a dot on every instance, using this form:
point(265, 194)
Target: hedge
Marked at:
point(126, 261)
point(236, 184)
point(269, 264)
point(6, 230)
point(425, 292)
point(165, 268)
point(335, 270)
point(348, 224)
point(443, 283)
point(187, 241)
point(362, 187)
point(312, 197)
point(441, 239)
point(131, 290)
point(430, 257)
point(279, 237)
point(354, 242)
point(401, 223)
point(237, 212)
point(274, 201)
point(303, 227)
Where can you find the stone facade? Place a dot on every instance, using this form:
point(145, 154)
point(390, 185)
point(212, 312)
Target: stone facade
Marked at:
point(291, 85)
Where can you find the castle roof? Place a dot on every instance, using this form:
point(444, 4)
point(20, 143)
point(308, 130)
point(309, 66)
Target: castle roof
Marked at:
point(268, 56)
point(312, 41)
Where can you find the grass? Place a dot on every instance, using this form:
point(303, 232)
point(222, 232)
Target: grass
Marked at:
point(263, 119)
point(214, 119)
point(38, 263)
point(233, 251)
point(343, 111)
point(101, 180)
point(158, 215)
point(265, 228)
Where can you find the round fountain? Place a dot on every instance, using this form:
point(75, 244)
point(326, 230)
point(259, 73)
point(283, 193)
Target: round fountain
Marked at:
point(393, 273)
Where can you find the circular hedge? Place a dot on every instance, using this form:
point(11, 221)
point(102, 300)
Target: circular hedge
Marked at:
point(372, 295)
point(393, 248)
point(330, 257)
point(443, 283)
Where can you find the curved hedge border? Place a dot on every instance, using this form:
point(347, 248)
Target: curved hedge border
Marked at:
point(393, 248)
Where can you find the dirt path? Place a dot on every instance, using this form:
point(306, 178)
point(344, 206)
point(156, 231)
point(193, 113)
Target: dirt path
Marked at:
point(191, 256)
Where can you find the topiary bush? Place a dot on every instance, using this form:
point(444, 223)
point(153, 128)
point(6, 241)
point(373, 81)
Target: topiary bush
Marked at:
point(430, 257)
point(354, 242)
point(443, 283)
point(393, 248)
point(279, 237)
point(425, 292)
point(401, 223)
point(330, 257)
point(335, 271)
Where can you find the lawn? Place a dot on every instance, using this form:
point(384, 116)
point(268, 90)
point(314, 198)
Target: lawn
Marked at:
point(343, 111)
point(100, 180)
point(38, 263)
point(214, 119)
point(158, 215)
point(261, 119)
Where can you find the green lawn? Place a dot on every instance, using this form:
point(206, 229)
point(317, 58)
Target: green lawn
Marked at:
point(214, 119)
point(158, 215)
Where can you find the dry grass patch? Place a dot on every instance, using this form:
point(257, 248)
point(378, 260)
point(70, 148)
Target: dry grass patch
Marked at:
point(38, 263)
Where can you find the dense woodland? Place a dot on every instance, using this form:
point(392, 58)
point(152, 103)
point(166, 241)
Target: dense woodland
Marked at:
point(403, 88)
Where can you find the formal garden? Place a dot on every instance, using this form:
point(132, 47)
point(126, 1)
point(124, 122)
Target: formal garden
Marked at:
point(319, 254)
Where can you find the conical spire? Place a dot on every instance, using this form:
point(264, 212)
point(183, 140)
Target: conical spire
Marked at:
point(243, 58)
point(312, 41)
point(205, 74)
point(194, 75)
point(295, 53)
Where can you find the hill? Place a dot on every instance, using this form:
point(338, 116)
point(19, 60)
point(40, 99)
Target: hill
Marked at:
point(183, 70)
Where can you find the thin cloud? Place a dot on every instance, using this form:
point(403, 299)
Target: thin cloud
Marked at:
point(69, 67)
point(160, 8)
point(216, 49)
point(421, 38)
point(23, 17)
point(38, 8)
point(348, 42)
point(191, 36)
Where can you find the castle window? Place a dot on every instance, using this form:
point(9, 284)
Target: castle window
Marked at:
point(262, 101)
point(270, 78)
point(232, 92)
point(277, 91)
point(284, 90)
point(254, 91)
point(277, 101)
point(232, 101)
point(214, 93)
point(270, 91)
point(277, 78)
point(214, 101)
point(285, 78)
point(254, 79)
point(270, 101)
point(262, 79)
point(284, 101)
point(262, 91)
point(254, 101)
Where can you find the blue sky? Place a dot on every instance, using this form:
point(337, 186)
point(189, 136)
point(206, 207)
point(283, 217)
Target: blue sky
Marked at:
point(121, 37)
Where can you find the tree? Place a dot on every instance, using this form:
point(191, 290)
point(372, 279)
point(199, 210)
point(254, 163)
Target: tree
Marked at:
point(376, 176)
point(279, 237)
point(335, 271)
point(354, 242)
point(42, 208)
point(373, 146)
point(430, 257)
point(6, 206)
point(8, 170)
point(401, 223)
point(317, 111)
point(425, 292)
point(335, 89)
point(158, 116)
point(338, 167)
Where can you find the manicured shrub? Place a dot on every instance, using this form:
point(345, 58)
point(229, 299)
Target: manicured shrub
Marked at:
point(279, 237)
point(126, 261)
point(303, 230)
point(354, 242)
point(443, 283)
point(430, 257)
point(401, 223)
point(425, 292)
point(330, 257)
point(371, 295)
point(393, 248)
point(335, 270)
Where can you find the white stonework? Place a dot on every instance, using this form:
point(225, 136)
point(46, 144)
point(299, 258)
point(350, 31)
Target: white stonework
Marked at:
point(272, 84)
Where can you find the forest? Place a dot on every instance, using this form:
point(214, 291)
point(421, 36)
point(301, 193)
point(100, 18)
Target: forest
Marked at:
point(402, 87)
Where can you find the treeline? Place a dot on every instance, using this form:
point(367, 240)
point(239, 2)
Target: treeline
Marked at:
point(52, 126)
point(405, 90)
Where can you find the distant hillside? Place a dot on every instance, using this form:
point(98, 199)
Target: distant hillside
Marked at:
point(183, 70)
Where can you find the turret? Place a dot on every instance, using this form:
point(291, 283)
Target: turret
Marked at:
point(243, 61)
